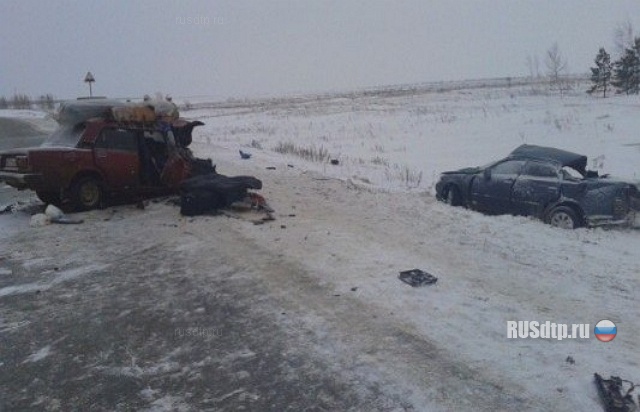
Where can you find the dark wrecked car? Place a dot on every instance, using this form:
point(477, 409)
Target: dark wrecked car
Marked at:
point(548, 183)
point(106, 147)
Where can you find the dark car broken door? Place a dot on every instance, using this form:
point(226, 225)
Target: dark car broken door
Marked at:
point(116, 154)
point(535, 188)
point(491, 191)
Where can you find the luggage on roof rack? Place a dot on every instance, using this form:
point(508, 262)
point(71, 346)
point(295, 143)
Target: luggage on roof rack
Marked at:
point(165, 111)
point(74, 112)
point(135, 114)
point(146, 112)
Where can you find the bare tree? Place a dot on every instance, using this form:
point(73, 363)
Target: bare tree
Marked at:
point(556, 66)
point(21, 101)
point(49, 102)
point(534, 66)
point(45, 102)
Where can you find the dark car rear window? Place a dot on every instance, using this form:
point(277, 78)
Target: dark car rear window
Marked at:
point(539, 169)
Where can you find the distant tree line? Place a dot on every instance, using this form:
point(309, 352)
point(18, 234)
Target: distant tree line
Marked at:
point(622, 75)
point(23, 101)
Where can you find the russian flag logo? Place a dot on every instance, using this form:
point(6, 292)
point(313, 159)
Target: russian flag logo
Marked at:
point(605, 330)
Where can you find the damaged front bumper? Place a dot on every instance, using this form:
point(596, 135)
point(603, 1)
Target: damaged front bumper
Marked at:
point(20, 180)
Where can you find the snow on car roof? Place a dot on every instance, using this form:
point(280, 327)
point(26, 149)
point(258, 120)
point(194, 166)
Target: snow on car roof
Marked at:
point(74, 112)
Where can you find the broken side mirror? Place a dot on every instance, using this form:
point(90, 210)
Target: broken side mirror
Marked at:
point(487, 174)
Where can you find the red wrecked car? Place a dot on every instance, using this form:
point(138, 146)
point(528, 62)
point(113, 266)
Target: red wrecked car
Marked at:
point(104, 148)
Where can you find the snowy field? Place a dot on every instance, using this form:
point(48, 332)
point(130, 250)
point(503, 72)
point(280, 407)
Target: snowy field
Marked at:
point(344, 231)
point(39, 120)
point(493, 269)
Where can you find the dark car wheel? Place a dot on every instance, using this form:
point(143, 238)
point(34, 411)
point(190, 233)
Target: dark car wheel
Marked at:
point(48, 197)
point(86, 193)
point(563, 217)
point(452, 196)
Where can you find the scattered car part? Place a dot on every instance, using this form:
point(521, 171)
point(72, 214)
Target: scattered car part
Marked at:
point(66, 220)
point(417, 277)
point(611, 394)
point(207, 193)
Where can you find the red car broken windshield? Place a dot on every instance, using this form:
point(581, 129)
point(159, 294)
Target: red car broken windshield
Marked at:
point(65, 136)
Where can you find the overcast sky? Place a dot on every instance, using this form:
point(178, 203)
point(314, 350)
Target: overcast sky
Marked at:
point(242, 48)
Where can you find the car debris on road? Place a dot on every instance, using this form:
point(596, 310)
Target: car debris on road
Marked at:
point(417, 277)
point(52, 214)
point(210, 192)
point(613, 396)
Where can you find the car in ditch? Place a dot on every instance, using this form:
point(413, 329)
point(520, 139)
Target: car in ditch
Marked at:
point(106, 148)
point(548, 183)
